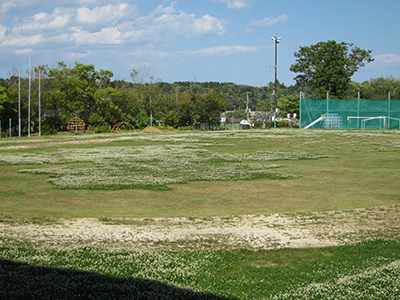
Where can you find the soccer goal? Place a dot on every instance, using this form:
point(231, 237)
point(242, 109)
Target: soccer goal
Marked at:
point(380, 122)
point(384, 122)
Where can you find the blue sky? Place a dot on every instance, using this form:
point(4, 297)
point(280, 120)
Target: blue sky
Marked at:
point(194, 40)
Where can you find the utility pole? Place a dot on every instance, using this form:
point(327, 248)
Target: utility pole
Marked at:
point(247, 106)
point(276, 39)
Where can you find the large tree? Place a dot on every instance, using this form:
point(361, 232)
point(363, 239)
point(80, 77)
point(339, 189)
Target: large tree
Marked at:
point(328, 67)
point(288, 104)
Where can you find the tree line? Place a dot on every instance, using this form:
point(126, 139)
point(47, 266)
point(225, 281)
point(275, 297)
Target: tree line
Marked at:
point(81, 91)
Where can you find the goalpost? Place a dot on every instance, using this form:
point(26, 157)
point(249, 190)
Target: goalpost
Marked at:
point(385, 124)
point(385, 119)
point(349, 121)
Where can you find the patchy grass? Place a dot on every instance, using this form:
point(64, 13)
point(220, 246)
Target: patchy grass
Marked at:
point(95, 174)
point(116, 177)
point(369, 270)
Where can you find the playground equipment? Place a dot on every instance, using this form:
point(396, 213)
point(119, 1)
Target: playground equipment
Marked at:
point(329, 121)
point(117, 126)
point(76, 125)
point(314, 122)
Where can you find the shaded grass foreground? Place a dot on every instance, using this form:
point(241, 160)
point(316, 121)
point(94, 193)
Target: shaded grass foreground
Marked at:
point(369, 270)
point(23, 281)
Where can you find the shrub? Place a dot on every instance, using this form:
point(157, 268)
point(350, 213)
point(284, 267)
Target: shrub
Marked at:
point(258, 124)
point(101, 129)
point(185, 128)
point(282, 124)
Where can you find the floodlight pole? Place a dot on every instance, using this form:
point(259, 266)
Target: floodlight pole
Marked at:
point(276, 39)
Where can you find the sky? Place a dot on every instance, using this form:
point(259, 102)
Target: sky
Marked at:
point(194, 40)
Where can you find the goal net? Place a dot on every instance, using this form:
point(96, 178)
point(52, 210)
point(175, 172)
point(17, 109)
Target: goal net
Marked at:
point(350, 114)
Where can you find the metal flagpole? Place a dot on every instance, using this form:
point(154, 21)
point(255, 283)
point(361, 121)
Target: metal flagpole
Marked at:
point(39, 103)
point(19, 103)
point(29, 97)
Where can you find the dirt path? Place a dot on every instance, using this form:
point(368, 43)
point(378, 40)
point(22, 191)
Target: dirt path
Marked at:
point(251, 232)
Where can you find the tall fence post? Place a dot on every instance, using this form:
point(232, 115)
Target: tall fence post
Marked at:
point(9, 126)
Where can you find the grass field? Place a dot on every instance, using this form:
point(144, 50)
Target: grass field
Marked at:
point(200, 175)
point(326, 171)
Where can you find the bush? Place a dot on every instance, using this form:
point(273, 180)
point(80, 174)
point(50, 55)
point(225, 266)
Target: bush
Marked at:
point(48, 129)
point(282, 124)
point(165, 128)
point(101, 129)
point(269, 125)
point(258, 124)
point(185, 128)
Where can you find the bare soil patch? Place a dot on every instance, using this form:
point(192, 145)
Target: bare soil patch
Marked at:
point(152, 129)
point(302, 230)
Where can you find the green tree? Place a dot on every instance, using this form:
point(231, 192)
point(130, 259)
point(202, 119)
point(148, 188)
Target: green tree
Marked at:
point(74, 88)
point(379, 88)
point(186, 113)
point(106, 113)
point(237, 115)
point(148, 89)
point(288, 104)
point(104, 78)
point(8, 105)
point(167, 109)
point(209, 108)
point(328, 67)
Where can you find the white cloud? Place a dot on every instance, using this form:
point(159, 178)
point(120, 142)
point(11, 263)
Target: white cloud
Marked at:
point(147, 52)
point(22, 51)
point(386, 60)
point(113, 14)
point(151, 54)
point(266, 22)
point(60, 18)
point(238, 4)
point(105, 36)
point(59, 39)
point(17, 6)
point(22, 41)
point(208, 24)
point(76, 55)
point(164, 10)
point(223, 50)
point(124, 26)
point(3, 30)
point(269, 21)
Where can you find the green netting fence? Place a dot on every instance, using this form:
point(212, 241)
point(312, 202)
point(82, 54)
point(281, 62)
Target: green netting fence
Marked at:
point(349, 114)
